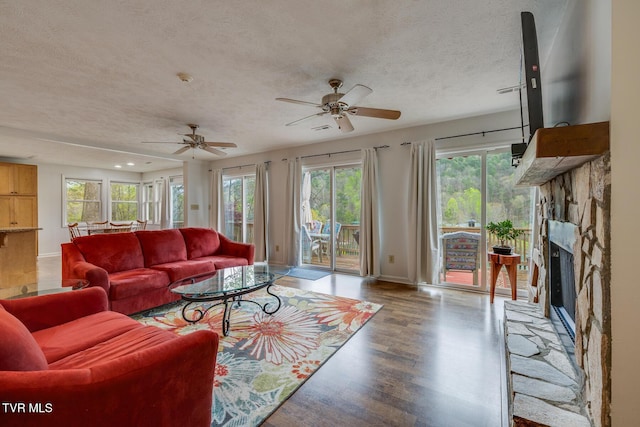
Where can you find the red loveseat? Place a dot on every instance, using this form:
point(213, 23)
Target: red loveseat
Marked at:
point(66, 360)
point(136, 269)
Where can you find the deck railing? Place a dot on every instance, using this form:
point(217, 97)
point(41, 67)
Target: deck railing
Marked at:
point(520, 244)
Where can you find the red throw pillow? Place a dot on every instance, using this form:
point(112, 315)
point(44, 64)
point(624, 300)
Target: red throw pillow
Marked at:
point(18, 349)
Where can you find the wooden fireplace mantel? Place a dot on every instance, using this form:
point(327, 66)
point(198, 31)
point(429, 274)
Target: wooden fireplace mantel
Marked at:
point(553, 151)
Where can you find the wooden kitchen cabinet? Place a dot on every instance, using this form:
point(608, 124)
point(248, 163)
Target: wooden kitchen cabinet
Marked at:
point(18, 179)
point(18, 211)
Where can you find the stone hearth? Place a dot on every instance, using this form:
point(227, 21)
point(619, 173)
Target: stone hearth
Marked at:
point(545, 388)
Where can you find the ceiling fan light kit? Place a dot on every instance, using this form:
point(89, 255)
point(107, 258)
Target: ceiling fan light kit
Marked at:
point(339, 104)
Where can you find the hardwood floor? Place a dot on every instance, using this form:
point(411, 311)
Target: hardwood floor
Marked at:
point(429, 357)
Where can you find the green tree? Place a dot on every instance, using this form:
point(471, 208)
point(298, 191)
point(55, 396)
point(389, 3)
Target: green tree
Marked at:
point(450, 214)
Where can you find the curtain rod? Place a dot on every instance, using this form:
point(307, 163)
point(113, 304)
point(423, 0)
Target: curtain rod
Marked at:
point(337, 152)
point(472, 133)
point(242, 166)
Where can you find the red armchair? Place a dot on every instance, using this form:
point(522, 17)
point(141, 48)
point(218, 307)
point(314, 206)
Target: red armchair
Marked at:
point(67, 361)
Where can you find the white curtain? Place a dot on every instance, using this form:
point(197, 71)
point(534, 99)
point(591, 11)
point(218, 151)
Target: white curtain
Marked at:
point(423, 208)
point(163, 191)
point(216, 213)
point(307, 217)
point(292, 212)
point(260, 213)
point(369, 220)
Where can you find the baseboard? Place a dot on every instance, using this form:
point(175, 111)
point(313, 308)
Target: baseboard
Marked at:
point(49, 255)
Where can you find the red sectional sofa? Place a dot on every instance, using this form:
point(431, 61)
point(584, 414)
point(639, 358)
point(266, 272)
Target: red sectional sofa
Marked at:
point(66, 360)
point(136, 269)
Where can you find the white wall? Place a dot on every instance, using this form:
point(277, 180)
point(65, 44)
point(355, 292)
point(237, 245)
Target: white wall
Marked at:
point(394, 172)
point(625, 205)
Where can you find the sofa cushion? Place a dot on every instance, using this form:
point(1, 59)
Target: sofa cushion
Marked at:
point(200, 241)
point(162, 246)
point(129, 342)
point(125, 284)
point(181, 270)
point(19, 351)
point(225, 261)
point(68, 338)
point(111, 251)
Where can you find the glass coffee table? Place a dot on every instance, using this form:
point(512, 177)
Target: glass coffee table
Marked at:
point(227, 286)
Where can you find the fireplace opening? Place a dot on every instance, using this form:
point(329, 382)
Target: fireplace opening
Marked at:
point(562, 289)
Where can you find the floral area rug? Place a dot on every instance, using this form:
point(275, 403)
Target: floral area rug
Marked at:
point(266, 358)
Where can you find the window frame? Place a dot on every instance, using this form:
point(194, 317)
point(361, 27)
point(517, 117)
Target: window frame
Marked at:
point(65, 198)
point(137, 186)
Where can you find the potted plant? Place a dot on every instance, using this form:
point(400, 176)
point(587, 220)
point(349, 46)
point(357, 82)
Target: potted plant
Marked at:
point(504, 231)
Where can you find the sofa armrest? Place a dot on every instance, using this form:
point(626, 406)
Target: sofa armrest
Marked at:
point(237, 249)
point(45, 311)
point(97, 276)
point(167, 384)
point(74, 266)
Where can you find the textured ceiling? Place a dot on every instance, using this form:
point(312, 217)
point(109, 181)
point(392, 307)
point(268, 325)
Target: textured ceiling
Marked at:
point(104, 74)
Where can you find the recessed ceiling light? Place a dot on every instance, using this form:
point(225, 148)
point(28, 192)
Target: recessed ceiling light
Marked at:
point(131, 164)
point(118, 166)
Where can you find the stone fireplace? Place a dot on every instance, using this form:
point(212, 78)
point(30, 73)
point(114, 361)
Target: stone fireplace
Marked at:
point(572, 233)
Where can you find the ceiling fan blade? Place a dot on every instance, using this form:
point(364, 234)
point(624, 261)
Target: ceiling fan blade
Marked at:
point(182, 150)
point(344, 123)
point(221, 144)
point(306, 118)
point(355, 95)
point(213, 150)
point(295, 101)
point(159, 142)
point(375, 112)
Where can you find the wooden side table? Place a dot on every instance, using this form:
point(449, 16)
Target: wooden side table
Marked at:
point(510, 262)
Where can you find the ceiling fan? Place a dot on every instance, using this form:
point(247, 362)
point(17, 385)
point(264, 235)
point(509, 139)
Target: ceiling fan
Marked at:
point(194, 141)
point(339, 104)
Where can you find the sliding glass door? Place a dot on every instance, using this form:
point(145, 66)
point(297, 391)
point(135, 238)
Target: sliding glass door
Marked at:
point(460, 180)
point(330, 217)
point(476, 188)
point(238, 194)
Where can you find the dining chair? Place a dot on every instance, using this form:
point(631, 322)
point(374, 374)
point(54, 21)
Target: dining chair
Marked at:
point(119, 228)
point(97, 226)
point(141, 225)
point(74, 231)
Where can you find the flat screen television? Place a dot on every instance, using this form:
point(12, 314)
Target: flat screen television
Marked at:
point(531, 103)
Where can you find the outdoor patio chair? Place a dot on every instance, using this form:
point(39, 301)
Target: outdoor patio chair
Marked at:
point(315, 227)
point(326, 239)
point(309, 246)
point(461, 251)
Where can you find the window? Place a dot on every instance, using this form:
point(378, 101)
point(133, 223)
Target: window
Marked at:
point(124, 201)
point(82, 200)
point(147, 206)
point(238, 193)
point(176, 198)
